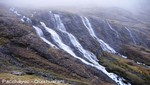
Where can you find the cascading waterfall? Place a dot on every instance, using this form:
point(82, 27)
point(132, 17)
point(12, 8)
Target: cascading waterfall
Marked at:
point(26, 19)
point(74, 41)
point(23, 18)
point(130, 33)
point(41, 35)
point(63, 46)
point(66, 48)
point(117, 34)
point(38, 30)
point(59, 42)
point(104, 45)
point(87, 54)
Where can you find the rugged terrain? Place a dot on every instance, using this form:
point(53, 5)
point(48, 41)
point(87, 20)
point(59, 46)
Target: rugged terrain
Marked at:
point(23, 49)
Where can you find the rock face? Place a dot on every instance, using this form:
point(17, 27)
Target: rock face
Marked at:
point(58, 45)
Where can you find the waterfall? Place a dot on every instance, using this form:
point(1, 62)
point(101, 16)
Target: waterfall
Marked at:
point(41, 35)
point(130, 33)
point(59, 24)
point(117, 34)
point(95, 64)
point(87, 54)
point(104, 45)
point(66, 48)
point(26, 19)
point(14, 11)
point(38, 30)
point(63, 46)
point(23, 18)
point(58, 40)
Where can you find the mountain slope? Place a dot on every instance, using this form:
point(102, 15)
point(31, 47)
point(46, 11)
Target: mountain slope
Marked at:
point(73, 47)
point(22, 50)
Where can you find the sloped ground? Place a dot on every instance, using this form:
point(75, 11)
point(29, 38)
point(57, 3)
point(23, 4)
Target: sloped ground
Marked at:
point(21, 50)
point(128, 69)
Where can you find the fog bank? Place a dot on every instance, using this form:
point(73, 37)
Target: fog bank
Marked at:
point(126, 4)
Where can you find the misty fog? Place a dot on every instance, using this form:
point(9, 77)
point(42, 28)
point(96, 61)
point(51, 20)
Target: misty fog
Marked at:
point(127, 4)
point(133, 6)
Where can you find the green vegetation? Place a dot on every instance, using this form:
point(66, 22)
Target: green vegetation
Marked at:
point(126, 68)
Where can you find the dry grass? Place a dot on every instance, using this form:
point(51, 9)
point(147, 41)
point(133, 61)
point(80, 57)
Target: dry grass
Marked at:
point(30, 78)
point(137, 53)
point(126, 68)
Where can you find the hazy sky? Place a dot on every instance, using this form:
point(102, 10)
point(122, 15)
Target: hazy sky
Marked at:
point(128, 4)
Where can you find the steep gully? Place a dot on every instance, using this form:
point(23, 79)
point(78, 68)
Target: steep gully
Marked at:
point(89, 57)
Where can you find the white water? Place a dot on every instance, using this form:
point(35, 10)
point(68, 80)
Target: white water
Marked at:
point(13, 10)
point(143, 64)
point(66, 48)
point(94, 63)
point(38, 30)
point(87, 54)
point(117, 34)
point(131, 35)
point(61, 45)
point(26, 19)
point(41, 35)
point(104, 45)
point(58, 40)
point(17, 13)
point(122, 56)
